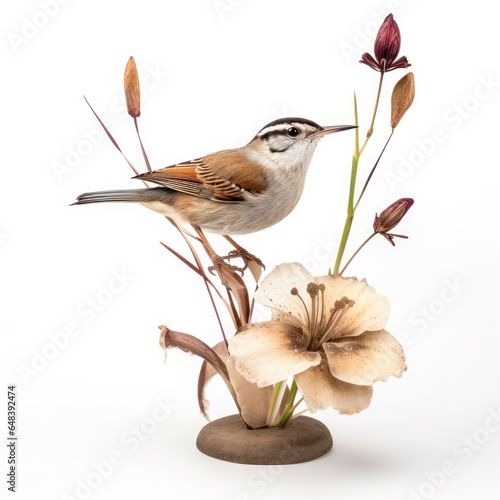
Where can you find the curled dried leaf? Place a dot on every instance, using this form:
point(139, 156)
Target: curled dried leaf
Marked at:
point(193, 345)
point(253, 400)
point(236, 286)
point(402, 98)
point(132, 89)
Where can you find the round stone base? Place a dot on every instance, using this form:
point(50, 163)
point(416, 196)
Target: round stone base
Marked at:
point(301, 440)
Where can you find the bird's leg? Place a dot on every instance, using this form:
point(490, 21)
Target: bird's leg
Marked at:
point(245, 255)
point(220, 266)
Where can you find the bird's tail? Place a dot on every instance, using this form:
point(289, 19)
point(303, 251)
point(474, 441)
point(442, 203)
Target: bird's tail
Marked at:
point(122, 195)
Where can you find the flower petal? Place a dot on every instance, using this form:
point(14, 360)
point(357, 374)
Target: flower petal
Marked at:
point(321, 390)
point(270, 352)
point(400, 63)
point(370, 311)
point(274, 291)
point(366, 358)
point(252, 401)
point(368, 59)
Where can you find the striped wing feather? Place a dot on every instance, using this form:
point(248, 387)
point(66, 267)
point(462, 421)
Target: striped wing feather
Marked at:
point(214, 176)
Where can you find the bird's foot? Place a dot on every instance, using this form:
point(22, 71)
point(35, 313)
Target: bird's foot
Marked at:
point(248, 258)
point(226, 272)
point(250, 261)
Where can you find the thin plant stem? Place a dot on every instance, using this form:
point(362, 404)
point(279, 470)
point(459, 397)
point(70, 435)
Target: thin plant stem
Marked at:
point(350, 203)
point(205, 279)
point(294, 407)
point(357, 251)
point(112, 139)
point(289, 408)
point(145, 156)
point(276, 403)
point(373, 170)
point(272, 402)
point(372, 124)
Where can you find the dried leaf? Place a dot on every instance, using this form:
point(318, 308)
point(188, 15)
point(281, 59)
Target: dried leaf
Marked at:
point(132, 89)
point(402, 98)
point(182, 259)
point(256, 269)
point(230, 279)
point(253, 400)
point(235, 284)
point(186, 235)
point(192, 345)
point(207, 373)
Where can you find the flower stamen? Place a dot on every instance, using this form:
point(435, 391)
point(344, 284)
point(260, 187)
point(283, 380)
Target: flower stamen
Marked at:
point(322, 290)
point(312, 289)
point(336, 314)
point(295, 292)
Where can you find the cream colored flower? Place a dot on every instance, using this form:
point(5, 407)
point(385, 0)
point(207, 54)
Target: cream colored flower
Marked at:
point(327, 332)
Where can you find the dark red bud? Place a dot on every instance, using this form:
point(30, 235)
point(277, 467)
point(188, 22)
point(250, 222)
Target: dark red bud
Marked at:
point(392, 215)
point(388, 41)
point(387, 45)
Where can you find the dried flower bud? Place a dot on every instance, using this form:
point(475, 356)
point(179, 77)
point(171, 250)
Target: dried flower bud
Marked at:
point(388, 41)
point(391, 217)
point(386, 49)
point(132, 89)
point(402, 98)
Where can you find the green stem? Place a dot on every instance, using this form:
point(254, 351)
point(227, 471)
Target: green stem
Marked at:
point(350, 202)
point(275, 403)
point(351, 207)
point(289, 408)
point(350, 215)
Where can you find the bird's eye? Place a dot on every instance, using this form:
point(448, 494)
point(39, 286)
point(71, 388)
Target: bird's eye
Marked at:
point(293, 132)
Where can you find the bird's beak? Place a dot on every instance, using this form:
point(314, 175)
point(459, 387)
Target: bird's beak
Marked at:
point(332, 129)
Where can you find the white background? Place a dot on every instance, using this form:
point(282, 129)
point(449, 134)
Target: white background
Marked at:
point(215, 73)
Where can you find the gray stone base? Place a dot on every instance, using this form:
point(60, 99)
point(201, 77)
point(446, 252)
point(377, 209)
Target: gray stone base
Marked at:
point(301, 440)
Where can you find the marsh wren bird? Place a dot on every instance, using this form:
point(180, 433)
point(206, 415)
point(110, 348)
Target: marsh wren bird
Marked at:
point(235, 191)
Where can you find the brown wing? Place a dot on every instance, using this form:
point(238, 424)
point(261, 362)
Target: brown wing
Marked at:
point(214, 176)
point(181, 177)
